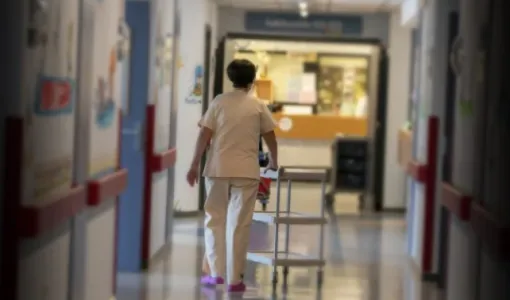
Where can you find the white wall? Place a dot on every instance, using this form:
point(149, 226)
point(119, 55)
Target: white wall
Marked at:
point(398, 99)
point(194, 15)
point(160, 89)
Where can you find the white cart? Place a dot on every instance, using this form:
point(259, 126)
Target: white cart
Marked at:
point(284, 257)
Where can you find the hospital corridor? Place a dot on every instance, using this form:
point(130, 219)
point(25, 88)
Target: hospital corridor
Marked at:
point(130, 132)
point(365, 259)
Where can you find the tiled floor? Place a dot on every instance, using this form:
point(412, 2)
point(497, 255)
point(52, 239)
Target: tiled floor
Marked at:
point(365, 261)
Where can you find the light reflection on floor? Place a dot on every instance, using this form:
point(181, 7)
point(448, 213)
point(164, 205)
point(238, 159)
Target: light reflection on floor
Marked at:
point(365, 261)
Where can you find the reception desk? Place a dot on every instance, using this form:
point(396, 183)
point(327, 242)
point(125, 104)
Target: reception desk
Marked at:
point(306, 140)
point(318, 127)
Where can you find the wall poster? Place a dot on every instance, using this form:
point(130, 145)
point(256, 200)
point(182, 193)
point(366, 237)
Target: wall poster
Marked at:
point(105, 86)
point(49, 92)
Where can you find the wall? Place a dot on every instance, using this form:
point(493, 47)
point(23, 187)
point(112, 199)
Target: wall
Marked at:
point(193, 18)
point(47, 161)
point(160, 91)
point(430, 102)
point(397, 111)
point(98, 155)
point(232, 20)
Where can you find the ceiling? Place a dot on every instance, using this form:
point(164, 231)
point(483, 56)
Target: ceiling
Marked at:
point(314, 6)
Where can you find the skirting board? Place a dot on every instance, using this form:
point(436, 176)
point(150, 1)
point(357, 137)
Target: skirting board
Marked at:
point(426, 277)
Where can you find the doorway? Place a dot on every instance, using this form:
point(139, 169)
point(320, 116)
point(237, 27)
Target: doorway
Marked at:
point(129, 257)
point(205, 105)
point(380, 133)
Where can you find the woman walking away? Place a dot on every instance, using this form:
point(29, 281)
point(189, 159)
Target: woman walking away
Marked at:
point(233, 123)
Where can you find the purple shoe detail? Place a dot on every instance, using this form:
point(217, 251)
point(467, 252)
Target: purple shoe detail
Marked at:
point(237, 288)
point(211, 281)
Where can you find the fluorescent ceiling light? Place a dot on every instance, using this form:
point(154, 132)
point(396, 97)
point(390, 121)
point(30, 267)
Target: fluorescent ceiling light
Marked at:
point(303, 5)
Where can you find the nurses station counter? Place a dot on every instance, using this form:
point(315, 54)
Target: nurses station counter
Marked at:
point(326, 87)
point(317, 127)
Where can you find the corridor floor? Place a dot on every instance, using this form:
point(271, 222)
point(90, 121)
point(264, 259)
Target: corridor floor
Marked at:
point(365, 261)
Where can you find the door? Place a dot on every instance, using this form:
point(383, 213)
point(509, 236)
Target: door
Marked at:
point(205, 105)
point(451, 86)
point(219, 64)
point(380, 131)
point(132, 156)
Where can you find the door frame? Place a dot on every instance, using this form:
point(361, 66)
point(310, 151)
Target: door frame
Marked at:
point(379, 139)
point(205, 106)
point(138, 89)
point(173, 121)
point(448, 133)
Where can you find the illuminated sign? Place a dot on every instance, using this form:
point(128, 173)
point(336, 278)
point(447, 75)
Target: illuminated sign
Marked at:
point(55, 96)
point(348, 25)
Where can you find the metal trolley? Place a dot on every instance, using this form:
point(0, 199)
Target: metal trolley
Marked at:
point(285, 258)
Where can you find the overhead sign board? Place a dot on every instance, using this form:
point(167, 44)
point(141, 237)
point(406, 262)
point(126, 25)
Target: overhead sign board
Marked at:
point(327, 24)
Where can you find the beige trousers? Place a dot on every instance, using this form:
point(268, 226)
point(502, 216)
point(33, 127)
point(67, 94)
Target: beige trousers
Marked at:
point(228, 215)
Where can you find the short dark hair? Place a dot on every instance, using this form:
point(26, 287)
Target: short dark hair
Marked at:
point(241, 72)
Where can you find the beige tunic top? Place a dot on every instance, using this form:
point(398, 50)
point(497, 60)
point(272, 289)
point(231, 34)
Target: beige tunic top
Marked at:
point(237, 120)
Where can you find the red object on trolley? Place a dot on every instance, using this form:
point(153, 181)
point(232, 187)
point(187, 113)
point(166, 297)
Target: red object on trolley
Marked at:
point(264, 188)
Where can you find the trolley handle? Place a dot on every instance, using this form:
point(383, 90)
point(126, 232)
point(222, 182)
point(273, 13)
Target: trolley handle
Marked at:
point(272, 174)
point(298, 173)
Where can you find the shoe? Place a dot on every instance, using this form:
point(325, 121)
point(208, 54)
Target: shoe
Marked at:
point(211, 281)
point(237, 288)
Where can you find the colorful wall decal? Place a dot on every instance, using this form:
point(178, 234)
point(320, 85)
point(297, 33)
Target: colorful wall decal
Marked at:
point(105, 106)
point(109, 46)
point(55, 96)
point(196, 93)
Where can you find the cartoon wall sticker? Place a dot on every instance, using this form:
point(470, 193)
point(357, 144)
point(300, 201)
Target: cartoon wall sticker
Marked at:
point(199, 78)
point(105, 90)
point(105, 106)
point(195, 96)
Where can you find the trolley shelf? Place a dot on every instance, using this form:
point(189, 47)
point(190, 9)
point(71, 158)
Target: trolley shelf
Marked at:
point(292, 218)
point(286, 217)
point(285, 259)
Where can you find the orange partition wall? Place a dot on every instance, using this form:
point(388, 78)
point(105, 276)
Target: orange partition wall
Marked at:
point(317, 127)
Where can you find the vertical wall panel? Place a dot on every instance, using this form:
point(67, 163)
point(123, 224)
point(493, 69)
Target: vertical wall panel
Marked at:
point(193, 18)
point(100, 254)
point(160, 93)
point(102, 89)
point(462, 255)
point(48, 99)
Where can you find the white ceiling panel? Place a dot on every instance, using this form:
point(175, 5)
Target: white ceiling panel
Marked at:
point(318, 6)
